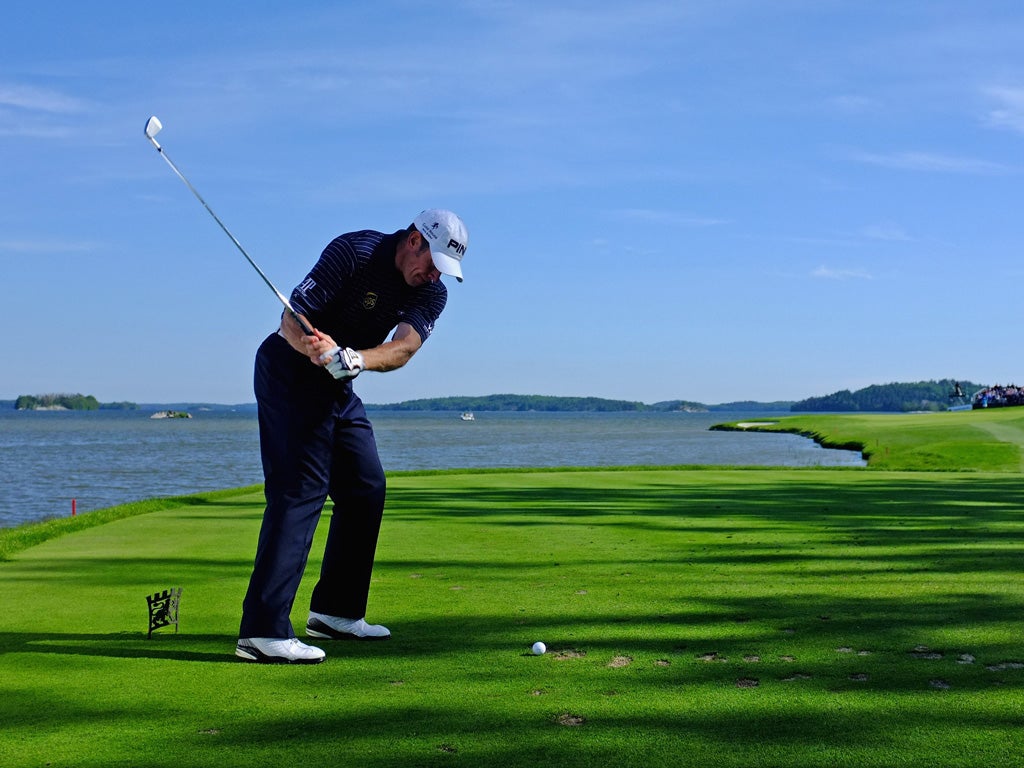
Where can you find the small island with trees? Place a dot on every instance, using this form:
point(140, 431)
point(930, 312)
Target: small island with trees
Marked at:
point(65, 402)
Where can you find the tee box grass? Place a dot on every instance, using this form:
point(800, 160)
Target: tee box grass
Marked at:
point(693, 616)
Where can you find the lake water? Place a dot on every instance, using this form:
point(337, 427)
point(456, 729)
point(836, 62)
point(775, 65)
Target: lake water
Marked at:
point(104, 458)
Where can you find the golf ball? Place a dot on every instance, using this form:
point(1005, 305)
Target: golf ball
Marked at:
point(539, 649)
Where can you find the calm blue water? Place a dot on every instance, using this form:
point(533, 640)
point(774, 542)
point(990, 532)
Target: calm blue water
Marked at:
point(104, 458)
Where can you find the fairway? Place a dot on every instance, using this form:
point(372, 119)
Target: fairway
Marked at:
point(735, 617)
point(989, 440)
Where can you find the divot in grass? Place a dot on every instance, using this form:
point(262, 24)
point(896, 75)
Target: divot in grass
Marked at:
point(848, 649)
point(570, 719)
point(570, 653)
point(713, 656)
point(748, 682)
point(620, 661)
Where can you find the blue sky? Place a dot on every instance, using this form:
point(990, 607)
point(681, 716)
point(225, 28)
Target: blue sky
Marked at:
point(666, 199)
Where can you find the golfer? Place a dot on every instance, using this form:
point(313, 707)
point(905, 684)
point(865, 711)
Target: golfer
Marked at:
point(315, 438)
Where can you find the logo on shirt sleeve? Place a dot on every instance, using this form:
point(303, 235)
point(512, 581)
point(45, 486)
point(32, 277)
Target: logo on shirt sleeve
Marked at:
point(370, 300)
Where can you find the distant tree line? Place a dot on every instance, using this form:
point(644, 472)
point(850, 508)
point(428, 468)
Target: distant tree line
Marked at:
point(548, 403)
point(917, 396)
point(74, 402)
point(513, 403)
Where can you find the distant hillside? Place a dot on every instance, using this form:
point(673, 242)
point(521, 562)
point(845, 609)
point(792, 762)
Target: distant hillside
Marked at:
point(89, 403)
point(917, 396)
point(752, 405)
point(511, 403)
point(546, 403)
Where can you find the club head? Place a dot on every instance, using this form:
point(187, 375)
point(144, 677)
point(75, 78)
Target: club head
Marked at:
point(153, 127)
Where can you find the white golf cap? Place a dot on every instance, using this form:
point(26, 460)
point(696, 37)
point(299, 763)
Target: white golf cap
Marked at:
point(448, 238)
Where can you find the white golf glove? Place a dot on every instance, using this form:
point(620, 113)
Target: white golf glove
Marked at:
point(343, 363)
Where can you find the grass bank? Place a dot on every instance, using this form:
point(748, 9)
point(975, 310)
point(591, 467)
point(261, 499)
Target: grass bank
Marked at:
point(963, 441)
point(714, 616)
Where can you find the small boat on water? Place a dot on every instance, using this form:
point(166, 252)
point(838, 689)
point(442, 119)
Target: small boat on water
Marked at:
point(468, 416)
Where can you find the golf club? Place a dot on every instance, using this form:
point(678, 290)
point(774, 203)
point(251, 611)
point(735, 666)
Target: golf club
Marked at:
point(153, 127)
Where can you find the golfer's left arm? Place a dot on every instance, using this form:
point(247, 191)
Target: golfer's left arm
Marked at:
point(395, 353)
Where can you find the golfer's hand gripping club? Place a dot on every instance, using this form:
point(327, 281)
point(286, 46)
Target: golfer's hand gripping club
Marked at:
point(343, 363)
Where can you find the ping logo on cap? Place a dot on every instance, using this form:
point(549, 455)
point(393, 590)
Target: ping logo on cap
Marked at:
point(458, 247)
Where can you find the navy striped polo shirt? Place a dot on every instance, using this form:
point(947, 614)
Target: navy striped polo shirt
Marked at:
point(357, 295)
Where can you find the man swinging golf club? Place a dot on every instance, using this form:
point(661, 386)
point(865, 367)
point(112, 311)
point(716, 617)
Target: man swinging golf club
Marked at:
point(315, 438)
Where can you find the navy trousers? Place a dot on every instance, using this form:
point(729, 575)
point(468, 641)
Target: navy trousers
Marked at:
point(315, 442)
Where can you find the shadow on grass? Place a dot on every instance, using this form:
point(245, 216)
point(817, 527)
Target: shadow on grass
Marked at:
point(867, 511)
point(125, 645)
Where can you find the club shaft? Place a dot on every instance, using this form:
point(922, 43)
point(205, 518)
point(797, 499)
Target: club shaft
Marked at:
point(283, 299)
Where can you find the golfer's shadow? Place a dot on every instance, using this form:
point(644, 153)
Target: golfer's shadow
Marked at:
point(124, 645)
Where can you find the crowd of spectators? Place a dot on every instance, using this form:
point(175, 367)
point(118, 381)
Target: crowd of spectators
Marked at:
point(999, 396)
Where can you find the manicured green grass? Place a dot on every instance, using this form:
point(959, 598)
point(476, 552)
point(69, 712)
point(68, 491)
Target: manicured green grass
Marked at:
point(24, 536)
point(983, 440)
point(726, 617)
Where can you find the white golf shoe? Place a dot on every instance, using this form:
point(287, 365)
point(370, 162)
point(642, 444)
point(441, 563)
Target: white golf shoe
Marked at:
point(271, 650)
point(336, 628)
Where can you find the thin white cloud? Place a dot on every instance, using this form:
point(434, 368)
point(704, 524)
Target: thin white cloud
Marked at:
point(26, 97)
point(1010, 110)
point(887, 232)
point(829, 273)
point(931, 163)
point(853, 104)
point(671, 218)
point(32, 129)
point(35, 113)
point(45, 246)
